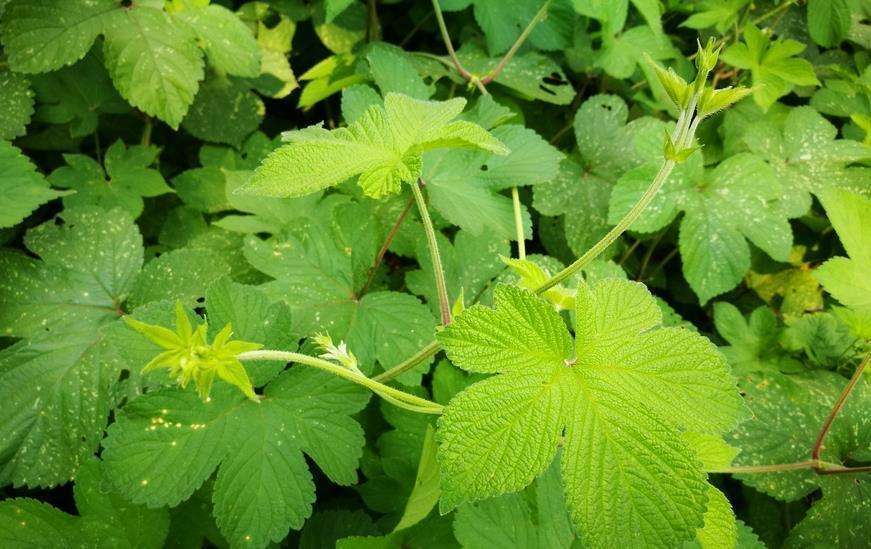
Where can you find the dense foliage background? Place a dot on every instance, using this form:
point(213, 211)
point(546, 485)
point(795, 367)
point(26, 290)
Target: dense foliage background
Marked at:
point(129, 128)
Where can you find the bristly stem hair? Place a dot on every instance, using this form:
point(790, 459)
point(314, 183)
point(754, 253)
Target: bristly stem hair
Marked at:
point(435, 256)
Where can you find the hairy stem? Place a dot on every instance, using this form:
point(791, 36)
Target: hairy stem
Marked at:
point(409, 363)
point(614, 233)
point(538, 18)
point(518, 224)
point(391, 394)
point(435, 256)
point(446, 38)
point(391, 234)
point(836, 409)
point(820, 467)
point(682, 137)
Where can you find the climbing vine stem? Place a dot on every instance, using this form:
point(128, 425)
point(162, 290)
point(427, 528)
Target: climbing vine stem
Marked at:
point(391, 394)
point(435, 256)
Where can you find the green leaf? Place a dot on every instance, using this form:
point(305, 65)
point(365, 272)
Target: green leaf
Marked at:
point(426, 491)
point(723, 207)
point(330, 76)
point(76, 282)
point(608, 147)
point(26, 522)
point(608, 395)
point(502, 26)
point(328, 526)
point(753, 343)
point(44, 35)
point(521, 335)
point(22, 187)
point(823, 337)
point(828, 21)
point(319, 275)
point(846, 279)
point(458, 191)
point(154, 63)
point(224, 111)
point(807, 157)
point(712, 450)
point(464, 185)
point(109, 519)
point(276, 77)
point(254, 317)
point(356, 100)
point(78, 96)
point(773, 65)
point(840, 517)
point(534, 518)
point(182, 274)
point(57, 382)
point(787, 414)
point(393, 71)
point(127, 178)
point(16, 104)
point(333, 8)
point(470, 264)
point(267, 215)
point(715, 13)
point(227, 40)
point(747, 538)
point(621, 54)
point(796, 286)
point(56, 386)
point(167, 443)
point(383, 147)
point(531, 75)
point(720, 528)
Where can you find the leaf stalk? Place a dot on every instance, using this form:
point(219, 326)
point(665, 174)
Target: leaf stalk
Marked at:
point(435, 256)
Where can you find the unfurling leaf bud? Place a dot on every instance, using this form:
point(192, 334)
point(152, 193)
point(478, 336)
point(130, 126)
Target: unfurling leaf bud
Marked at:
point(190, 357)
point(671, 152)
point(337, 353)
point(676, 87)
point(706, 60)
point(713, 101)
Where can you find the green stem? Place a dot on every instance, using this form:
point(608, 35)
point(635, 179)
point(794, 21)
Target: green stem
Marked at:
point(774, 11)
point(518, 224)
point(538, 18)
point(431, 349)
point(820, 467)
point(614, 233)
point(435, 256)
point(776, 468)
point(683, 133)
point(146, 131)
point(393, 395)
point(836, 409)
point(446, 38)
point(373, 26)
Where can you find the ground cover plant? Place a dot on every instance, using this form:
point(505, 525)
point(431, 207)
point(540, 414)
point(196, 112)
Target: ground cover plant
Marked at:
point(448, 273)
